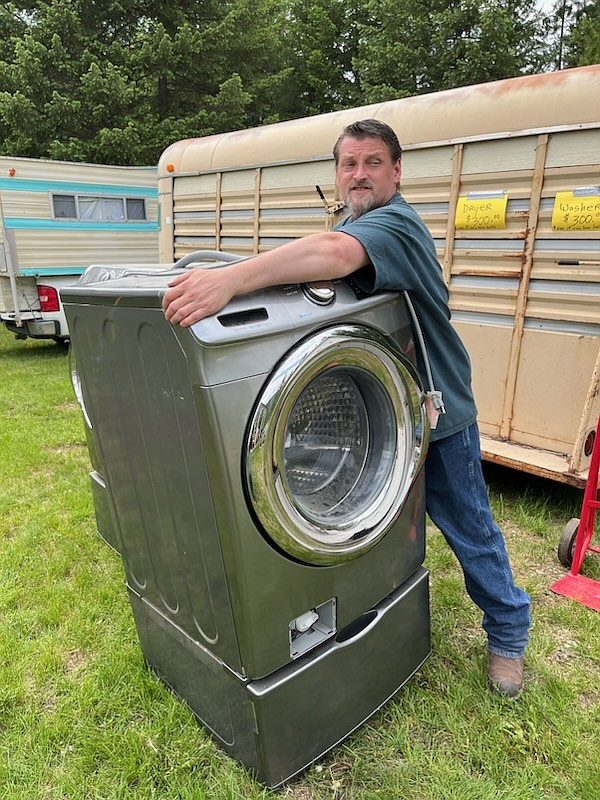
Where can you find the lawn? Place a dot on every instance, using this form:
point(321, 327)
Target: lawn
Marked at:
point(81, 716)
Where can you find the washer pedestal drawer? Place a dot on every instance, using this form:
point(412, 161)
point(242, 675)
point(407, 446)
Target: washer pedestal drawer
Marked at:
point(278, 725)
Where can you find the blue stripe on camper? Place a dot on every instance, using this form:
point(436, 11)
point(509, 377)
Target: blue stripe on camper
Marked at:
point(20, 223)
point(47, 272)
point(68, 187)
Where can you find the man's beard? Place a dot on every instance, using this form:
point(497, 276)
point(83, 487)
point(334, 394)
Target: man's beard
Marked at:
point(357, 209)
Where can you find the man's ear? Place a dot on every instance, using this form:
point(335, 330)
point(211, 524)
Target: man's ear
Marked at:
point(398, 171)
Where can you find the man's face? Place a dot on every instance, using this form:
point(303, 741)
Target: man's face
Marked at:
point(365, 174)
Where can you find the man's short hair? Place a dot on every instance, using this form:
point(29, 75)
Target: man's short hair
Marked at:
point(369, 129)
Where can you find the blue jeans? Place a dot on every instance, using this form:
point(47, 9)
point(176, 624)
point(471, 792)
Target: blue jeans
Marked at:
point(458, 503)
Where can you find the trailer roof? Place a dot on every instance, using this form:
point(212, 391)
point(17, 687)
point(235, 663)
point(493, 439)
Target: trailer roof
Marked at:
point(554, 100)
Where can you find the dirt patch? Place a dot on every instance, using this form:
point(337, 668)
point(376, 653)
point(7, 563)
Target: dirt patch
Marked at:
point(74, 661)
point(299, 792)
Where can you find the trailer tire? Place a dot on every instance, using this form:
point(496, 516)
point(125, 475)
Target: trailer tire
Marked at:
point(566, 544)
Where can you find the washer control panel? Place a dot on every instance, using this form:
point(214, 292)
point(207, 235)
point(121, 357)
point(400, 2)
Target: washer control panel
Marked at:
point(320, 292)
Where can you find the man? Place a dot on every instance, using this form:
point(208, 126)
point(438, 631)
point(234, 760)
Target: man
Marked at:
point(385, 245)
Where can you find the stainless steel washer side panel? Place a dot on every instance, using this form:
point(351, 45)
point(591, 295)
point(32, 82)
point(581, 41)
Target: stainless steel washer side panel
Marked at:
point(217, 695)
point(137, 394)
point(105, 526)
point(279, 725)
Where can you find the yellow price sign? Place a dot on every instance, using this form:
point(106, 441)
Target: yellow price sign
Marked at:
point(481, 213)
point(576, 213)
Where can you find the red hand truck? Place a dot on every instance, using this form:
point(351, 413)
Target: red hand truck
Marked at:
point(576, 539)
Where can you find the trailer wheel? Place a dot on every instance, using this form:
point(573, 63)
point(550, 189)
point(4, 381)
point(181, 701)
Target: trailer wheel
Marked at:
point(566, 544)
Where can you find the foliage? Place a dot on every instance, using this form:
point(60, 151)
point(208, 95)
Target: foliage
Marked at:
point(416, 46)
point(117, 81)
point(582, 41)
point(573, 32)
point(322, 39)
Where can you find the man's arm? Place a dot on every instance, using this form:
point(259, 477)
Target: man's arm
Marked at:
point(198, 293)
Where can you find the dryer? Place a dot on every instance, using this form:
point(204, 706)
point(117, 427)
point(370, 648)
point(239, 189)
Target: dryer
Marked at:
point(263, 471)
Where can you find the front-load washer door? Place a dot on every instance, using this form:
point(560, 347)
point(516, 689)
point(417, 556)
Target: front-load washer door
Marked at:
point(336, 439)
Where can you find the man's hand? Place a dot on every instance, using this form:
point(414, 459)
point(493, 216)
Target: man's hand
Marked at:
point(198, 293)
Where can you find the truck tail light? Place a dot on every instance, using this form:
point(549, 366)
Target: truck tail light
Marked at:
point(48, 298)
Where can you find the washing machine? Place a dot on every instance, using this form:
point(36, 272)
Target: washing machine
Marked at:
point(263, 471)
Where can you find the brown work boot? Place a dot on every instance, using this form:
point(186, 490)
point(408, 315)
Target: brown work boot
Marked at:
point(505, 675)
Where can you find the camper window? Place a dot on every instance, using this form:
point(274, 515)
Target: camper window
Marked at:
point(64, 206)
point(99, 208)
point(135, 208)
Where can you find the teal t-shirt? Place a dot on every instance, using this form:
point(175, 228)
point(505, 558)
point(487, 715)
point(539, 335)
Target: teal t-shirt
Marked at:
point(402, 254)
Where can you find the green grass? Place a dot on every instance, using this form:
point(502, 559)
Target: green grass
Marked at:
point(81, 717)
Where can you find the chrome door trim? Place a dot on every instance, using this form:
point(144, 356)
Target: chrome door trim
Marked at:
point(359, 350)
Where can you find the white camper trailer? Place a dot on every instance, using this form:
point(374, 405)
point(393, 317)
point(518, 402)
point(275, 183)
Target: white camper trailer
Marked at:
point(506, 175)
point(57, 218)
